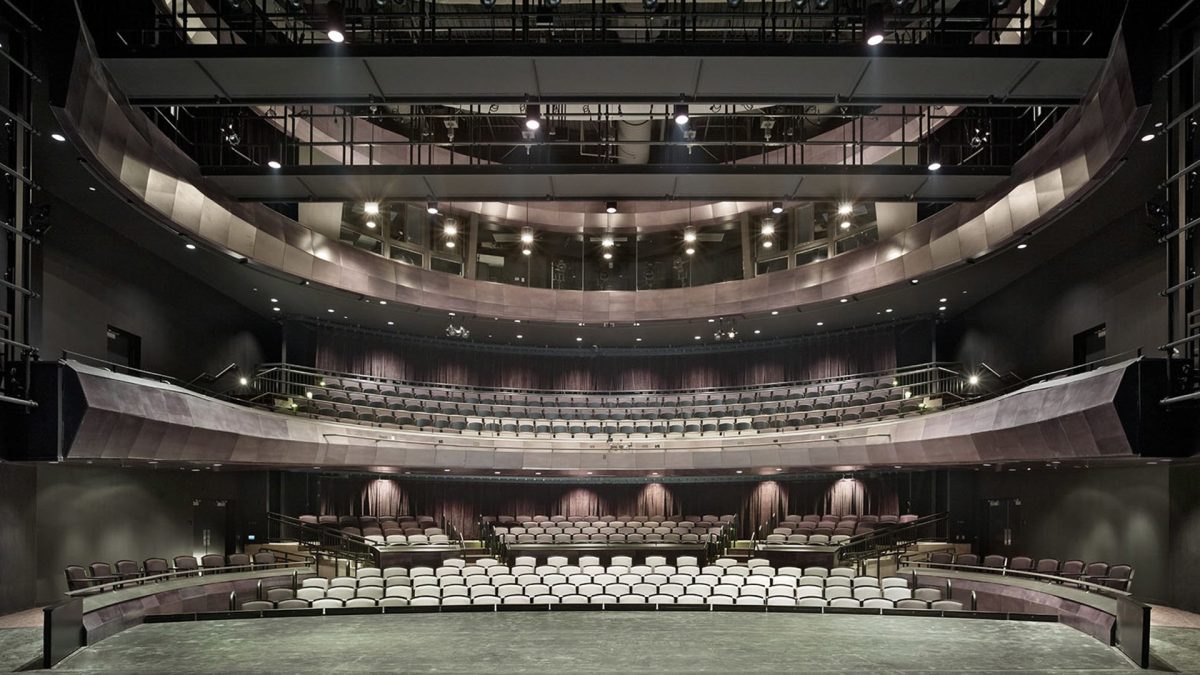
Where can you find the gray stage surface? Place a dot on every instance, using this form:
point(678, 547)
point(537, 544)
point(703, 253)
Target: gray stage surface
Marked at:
point(600, 642)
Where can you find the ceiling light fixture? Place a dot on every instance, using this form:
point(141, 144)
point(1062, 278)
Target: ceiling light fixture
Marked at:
point(450, 244)
point(1022, 246)
point(58, 137)
point(768, 227)
point(450, 228)
point(370, 224)
point(845, 225)
point(190, 246)
point(875, 24)
point(767, 243)
point(526, 251)
point(689, 250)
point(371, 208)
point(610, 207)
point(274, 164)
point(820, 323)
point(432, 208)
point(606, 241)
point(607, 255)
point(681, 114)
point(777, 207)
point(845, 209)
point(689, 235)
point(533, 117)
point(526, 236)
point(1145, 139)
point(335, 22)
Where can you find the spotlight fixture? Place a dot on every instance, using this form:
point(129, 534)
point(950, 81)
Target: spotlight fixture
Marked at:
point(973, 380)
point(726, 330)
point(432, 208)
point(777, 207)
point(370, 224)
point(274, 164)
point(335, 22)
point(243, 381)
point(689, 235)
point(450, 228)
point(845, 209)
point(768, 227)
point(371, 208)
point(610, 207)
point(533, 117)
point(607, 255)
point(1145, 139)
point(1022, 246)
point(767, 243)
point(526, 236)
point(935, 158)
point(689, 250)
point(845, 225)
point(190, 246)
point(681, 114)
point(58, 137)
point(875, 24)
point(606, 241)
point(460, 332)
point(526, 251)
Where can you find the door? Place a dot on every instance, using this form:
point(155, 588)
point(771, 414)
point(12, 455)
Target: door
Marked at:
point(210, 523)
point(1002, 522)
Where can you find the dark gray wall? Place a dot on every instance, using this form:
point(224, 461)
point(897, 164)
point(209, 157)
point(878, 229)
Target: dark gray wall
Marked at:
point(18, 538)
point(1185, 537)
point(1028, 326)
point(94, 278)
point(87, 514)
point(1117, 515)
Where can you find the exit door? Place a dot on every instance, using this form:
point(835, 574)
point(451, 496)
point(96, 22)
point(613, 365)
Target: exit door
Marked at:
point(210, 526)
point(1002, 525)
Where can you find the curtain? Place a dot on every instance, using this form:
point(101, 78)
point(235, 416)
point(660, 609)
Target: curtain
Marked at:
point(808, 359)
point(462, 503)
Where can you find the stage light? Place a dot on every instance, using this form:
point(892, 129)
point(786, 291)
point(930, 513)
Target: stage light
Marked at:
point(533, 117)
point(190, 246)
point(845, 209)
point(767, 243)
point(973, 380)
point(689, 250)
point(681, 114)
point(370, 224)
point(610, 207)
point(845, 225)
point(335, 21)
point(768, 227)
point(527, 236)
point(526, 251)
point(607, 255)
point(875, 24)
point(1145, 139)
point(450, 229)
point(431, 208)
point(274, 164)
point(935, 166)
point(371, 208)
point(777, 207)
point(689, 235)
point(58, 137)
point(606, 241)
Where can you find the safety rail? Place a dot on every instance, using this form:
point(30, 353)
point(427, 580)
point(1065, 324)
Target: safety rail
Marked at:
point(121, 582)
point(496, 546)
point(322, 540)
point(888, 539)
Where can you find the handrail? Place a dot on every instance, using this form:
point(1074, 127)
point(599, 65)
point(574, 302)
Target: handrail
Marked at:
point(897, 372)
point(175, 574)
point(1040, 576)
point(883, 541)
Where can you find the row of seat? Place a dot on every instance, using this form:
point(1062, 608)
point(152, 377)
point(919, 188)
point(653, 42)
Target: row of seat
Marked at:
point(599, 410)
point(1119, 577)
point(101, 573)
point(607, 599)
point(655, 520)
point(491, 396)
point(748, 425)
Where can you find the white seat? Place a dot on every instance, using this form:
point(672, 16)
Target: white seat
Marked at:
point(516, 600)
point(631, 599)
point(601, 599)
point(398, 592)
point(315, 582)
point(545, 600)
point(781, 601)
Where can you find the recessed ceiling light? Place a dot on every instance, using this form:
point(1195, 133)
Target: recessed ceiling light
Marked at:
point(935, 166)
point(383, 302)
point(637, 339)
point(696, 337)
point(391, 323)
point(775, 313)
point(58, 137)
point(331, 310)
point(845, 225)
point(767, 243)
point(371, 208)
point(914, 281)
point(190, 246)
point(520, 337)
point(1022, 246)
point(757, 331)
point(1145, 139)
point(370, 224)
point(888, 310)
point(274, 164)
point(91, 188)
point(738, 471)
point(942, 299)
point(711, 320)
point(844, 300)
point(941, 308)
point(516, 321)
point(276, 308)
point(274, 299)
point(579, 339)
point(450, 244)
point(451, 313)
point(820, 323)
point(689, 250)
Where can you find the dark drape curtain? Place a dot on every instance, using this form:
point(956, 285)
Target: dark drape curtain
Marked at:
point(809, 359)
point(462, 503)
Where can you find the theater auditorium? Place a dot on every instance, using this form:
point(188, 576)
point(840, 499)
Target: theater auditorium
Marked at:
point(595, 336)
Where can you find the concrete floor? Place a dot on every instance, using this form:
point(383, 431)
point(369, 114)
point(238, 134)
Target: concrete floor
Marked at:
point(600, 642)
point(19, 646)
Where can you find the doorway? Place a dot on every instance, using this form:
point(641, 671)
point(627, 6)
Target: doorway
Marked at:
point(1002, 526)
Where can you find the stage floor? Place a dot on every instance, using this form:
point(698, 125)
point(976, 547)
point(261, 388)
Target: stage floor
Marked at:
point(600, 642)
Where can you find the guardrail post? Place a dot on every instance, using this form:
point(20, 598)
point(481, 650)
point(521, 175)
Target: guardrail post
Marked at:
point(258, 594)
point(232, 600)
point(974, 601)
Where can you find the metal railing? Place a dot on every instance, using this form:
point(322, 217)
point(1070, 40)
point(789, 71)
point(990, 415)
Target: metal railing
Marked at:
point(122, 582)
point(889, 541)
point(263, 22)
point(322, 540)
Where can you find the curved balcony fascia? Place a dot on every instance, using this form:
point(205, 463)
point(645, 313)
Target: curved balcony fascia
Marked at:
point(127, 418)
point(135, 158)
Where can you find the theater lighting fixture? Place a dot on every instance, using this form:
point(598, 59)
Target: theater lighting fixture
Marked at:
point(777, 207)
point(431, 208)
point(1022, 246)
point(527, 236)
point(335, 22)
point(58, 137)
point(767, 243)
point(450, 244)
point(607, 255)
point(606, 241)
point(875, 24)
point(460, 332)
point(941, 308)
point(689, 235)
point(274, 164)
point(371, 208)
point(450, 228)
point(845, 225)
point(243, 382)
point(370, 224)
point(681, 114)
point(526, 251)
point(845, 209)
point(690, 251)
point(533, 117)
point(973, 380)
point(1145, 139)
point(610, 207)
point(190, 246)
point(820, 323)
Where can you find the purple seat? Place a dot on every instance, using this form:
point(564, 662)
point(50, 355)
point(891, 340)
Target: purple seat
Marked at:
point(967, 559)
point(1021, 563)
